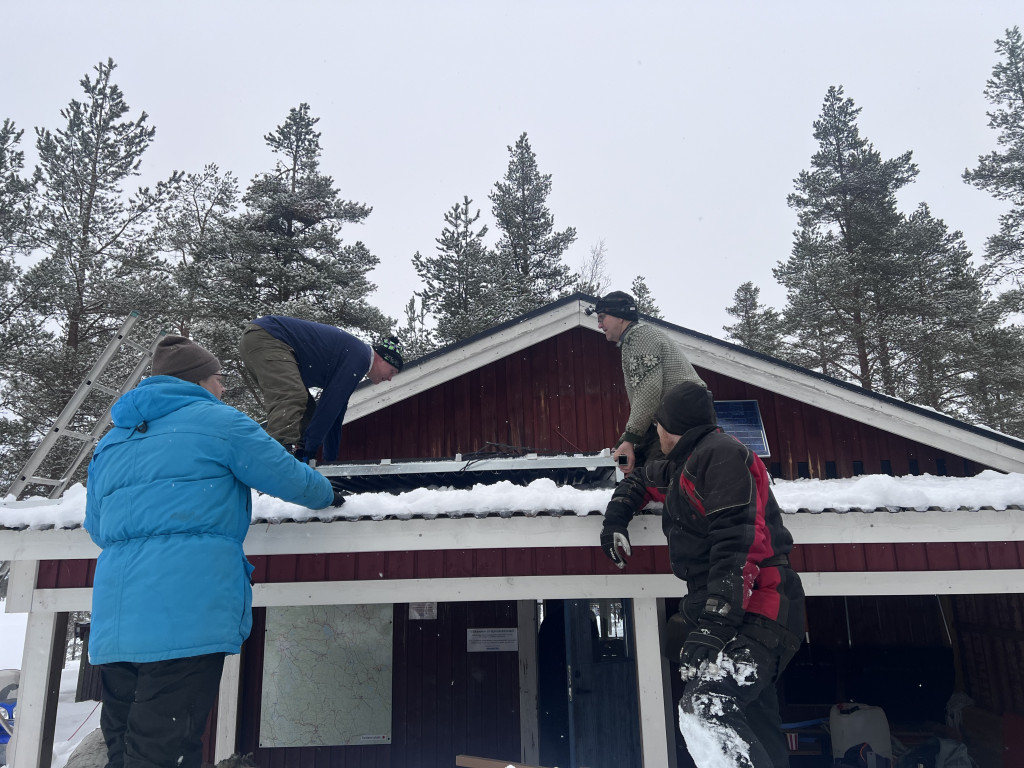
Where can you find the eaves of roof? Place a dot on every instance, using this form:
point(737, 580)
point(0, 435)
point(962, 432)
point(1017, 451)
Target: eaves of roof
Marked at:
point(328, 532)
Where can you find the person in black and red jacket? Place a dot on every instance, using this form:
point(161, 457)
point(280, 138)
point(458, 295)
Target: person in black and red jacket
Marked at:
point(743, 616)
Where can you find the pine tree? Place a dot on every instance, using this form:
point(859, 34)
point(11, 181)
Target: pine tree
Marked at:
point(932, 332)
point(994, 391)
point(458, 282)
point(18, 327)
point(285, 254)
point(16, 230)
point(758, 327)
point(999, 172)
point(94, 237)
point(192, 232)
point(415, 338)
point(96, 260)
point(645, 303)
point(529, 251)
point(840, 276)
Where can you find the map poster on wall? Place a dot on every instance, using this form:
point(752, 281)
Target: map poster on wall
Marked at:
point(327, 676)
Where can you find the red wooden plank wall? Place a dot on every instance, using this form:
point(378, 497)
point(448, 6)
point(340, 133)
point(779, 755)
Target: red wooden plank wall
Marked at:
point(446, 701)
point(566, 395)
point(574, 561)
point(990, 629)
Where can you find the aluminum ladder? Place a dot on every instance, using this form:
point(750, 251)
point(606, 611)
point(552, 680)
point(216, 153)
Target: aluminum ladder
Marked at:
point(58, 429)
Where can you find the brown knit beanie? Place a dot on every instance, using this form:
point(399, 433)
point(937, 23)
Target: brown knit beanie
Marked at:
point(177, 356)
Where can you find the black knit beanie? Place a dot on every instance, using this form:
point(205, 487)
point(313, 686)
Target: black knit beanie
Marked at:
point(618, 304)
point(177, 356)
point(390, 352)
point(686, 406)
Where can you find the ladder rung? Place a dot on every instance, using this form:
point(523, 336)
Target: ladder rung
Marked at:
point(42, 480)
point(77, 435)
point(134, 345)
point(104, 388)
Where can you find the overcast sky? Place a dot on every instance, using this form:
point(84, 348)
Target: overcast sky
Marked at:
point(672, 130)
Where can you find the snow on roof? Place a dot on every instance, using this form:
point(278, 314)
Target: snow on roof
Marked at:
point(989, 489)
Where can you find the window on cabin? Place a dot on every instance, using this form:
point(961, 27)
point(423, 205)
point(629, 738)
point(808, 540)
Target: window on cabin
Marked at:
point(610, 640)
point(858, 468)
point(913, 467)
point(830, 470)
point(886, 467)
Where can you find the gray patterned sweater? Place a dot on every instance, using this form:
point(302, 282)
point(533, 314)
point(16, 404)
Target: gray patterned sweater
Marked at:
point(651, 365)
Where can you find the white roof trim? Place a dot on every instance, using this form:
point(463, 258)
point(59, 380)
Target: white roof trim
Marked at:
point(862, 407)
point(466, 358)
point(448, 533)
point(872, 409)
point(576, 587)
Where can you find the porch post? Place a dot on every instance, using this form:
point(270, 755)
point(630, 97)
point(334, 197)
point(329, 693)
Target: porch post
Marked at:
point(529, 729)
point(45, 638)
point(656, 731)
point(226, 737)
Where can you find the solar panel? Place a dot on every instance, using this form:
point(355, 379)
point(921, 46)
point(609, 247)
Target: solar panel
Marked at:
point(466, 471)
point(742, 420)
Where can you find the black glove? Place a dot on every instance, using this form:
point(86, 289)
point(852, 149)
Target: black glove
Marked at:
point(339, 491)
point(615, 541)
point(705, 643)
point(676, 631)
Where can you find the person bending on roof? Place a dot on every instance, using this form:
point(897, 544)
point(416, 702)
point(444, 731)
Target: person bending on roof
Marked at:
point(651, 365)
point(287, 356)
point(742, 619)
point(169, 502)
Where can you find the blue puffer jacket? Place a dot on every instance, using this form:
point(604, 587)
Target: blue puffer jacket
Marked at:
point(169, 503)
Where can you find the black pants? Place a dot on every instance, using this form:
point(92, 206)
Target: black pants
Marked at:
point(746, 704)
point(154, 713)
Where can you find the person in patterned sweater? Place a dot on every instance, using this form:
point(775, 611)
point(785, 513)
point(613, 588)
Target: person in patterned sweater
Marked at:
point(651, 365)
point(742, 619)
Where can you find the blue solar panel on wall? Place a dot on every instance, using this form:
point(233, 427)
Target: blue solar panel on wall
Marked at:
point(742, 420)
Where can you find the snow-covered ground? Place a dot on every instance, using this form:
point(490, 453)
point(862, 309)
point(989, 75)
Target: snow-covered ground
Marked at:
point(74, 720)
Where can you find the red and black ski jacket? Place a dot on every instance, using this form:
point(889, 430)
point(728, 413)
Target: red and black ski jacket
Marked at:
point(724, 528)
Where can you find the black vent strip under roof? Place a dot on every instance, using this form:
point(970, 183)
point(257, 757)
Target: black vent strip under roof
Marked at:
point(387, 476)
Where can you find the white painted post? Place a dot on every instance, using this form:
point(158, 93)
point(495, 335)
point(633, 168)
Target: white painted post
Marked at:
point(19, 587)
point(658, 750)
point(227, 708)
point(529, 728)
point(24, 751)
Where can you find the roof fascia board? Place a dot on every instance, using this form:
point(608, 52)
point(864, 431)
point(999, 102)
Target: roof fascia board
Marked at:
point(863, 408)
point(463, 359)
point(617, 585)
point(449, 533)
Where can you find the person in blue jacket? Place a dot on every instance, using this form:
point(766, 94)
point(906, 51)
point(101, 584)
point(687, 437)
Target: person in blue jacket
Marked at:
point(169, 503)
point(287, 356)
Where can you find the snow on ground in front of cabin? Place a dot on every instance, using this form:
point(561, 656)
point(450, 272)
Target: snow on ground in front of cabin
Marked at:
point(75, 720)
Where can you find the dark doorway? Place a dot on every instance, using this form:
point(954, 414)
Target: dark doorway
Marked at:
point(589, 707)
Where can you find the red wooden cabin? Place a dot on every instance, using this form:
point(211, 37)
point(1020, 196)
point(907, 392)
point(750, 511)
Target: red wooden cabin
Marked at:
point(457, 599)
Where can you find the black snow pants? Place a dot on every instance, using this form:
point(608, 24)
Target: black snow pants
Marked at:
point(154, 713)
point(743, 702)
